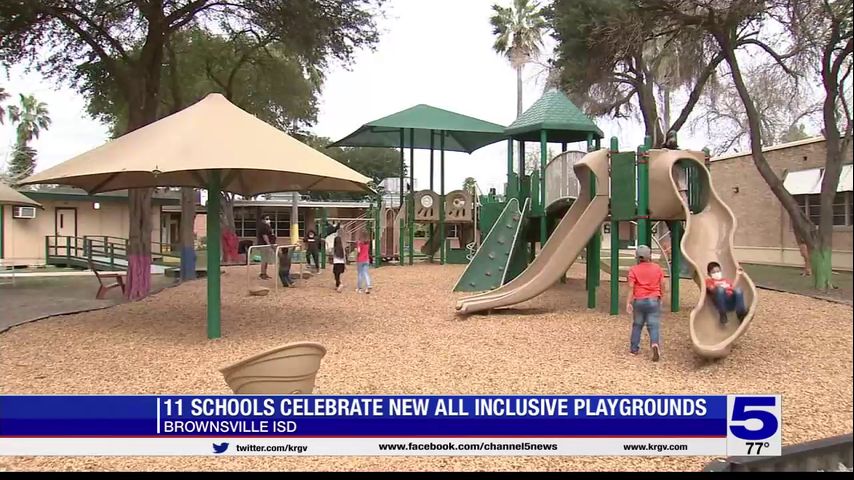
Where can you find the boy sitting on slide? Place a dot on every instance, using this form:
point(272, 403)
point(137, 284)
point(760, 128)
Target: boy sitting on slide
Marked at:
point(726, 297)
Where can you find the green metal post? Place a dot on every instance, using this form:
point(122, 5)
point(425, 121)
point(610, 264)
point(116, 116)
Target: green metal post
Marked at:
point(675, 263)
point(112, 255)
point(68, 248)
point(593, 246)
point(643, 192)
point(432, 226)
point(543, 159)
point(521, 171)
point(443, 255)
point(509, 164)
point(47, 250)
point(411, 215)
point(402, 169)
point(322, 230)
point(615, 250)
point(377, 231)
point(214, 248)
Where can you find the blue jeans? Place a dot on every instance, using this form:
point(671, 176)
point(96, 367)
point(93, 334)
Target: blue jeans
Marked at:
point(364, 279)
point(645, 311)
point(727, 303)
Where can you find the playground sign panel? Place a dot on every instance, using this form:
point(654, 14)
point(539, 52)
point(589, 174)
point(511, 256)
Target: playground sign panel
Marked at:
point(399, 425)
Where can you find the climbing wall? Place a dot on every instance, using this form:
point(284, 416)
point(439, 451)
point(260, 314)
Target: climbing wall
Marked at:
point(488, 268)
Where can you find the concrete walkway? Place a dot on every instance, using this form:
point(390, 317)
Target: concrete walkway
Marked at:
point(33, 298)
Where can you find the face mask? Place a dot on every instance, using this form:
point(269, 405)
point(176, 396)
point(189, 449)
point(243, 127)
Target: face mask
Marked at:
point(717, 275)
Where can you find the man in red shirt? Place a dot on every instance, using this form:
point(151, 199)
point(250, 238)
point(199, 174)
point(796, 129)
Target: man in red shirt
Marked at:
point(646, 284)
point(727, 298)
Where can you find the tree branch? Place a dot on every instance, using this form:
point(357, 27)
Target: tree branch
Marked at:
point(100, 29)
point(777, 57)
point(696, 93)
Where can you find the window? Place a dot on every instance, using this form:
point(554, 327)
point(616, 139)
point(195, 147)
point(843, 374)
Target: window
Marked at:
point(843, 208)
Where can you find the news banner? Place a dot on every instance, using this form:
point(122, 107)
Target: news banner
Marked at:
point(399, 425)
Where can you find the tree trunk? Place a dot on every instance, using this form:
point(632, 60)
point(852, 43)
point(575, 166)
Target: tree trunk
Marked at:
point(142, 104)
point(519, 90)
point(665, 94)
point(821, 258)
point(648, 105)
point(188, 237)
point(800, 222)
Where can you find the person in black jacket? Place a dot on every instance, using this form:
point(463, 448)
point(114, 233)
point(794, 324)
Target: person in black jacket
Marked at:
point(312, 248)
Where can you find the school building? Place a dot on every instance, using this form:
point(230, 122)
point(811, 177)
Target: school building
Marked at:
point(764, 233)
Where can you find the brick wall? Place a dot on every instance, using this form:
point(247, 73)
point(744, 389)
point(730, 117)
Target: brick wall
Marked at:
point(762, 222)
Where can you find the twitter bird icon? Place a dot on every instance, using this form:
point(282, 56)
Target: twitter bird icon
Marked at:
point(220, 447)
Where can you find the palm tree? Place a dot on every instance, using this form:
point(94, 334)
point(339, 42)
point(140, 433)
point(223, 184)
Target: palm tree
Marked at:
point(31, 118)
point(519, 33)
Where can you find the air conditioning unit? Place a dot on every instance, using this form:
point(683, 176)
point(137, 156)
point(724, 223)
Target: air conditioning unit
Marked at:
point(24, 212)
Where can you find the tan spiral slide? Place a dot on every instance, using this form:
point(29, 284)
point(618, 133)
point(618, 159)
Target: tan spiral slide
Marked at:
point(708, 238)
point(565, 244)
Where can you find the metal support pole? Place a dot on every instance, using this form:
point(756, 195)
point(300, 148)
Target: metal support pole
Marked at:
point(432, 226)
point(442, 249)
point(214, 248)
point(323, 221)
point(402, 167)
point(592, 272)
point(377, 231)
point(615, 248)
point(411, 215)
point(521, 161)
point(675, 262)
point(509, 187)
point(2, 231)
point(543, 159)
point(643, 192)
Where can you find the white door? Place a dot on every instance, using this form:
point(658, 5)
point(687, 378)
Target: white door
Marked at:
point(66, 222)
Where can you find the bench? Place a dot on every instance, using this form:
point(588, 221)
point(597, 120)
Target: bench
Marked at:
point(104, 288)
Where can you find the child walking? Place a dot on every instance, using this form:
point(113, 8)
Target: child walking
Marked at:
point(646, 285)
point(339, 260)
point(363, 263)
point(285, 267)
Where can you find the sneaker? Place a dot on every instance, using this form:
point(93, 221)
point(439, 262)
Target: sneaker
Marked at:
point(340, 288)
point(723, 318)
point(368, 291)
point(264, 276)
point(634, 352)
point(358, 290)
point(656, 354)
point(741, 316)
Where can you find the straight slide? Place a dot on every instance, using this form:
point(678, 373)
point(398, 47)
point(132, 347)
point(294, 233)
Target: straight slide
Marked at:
point(578, 225)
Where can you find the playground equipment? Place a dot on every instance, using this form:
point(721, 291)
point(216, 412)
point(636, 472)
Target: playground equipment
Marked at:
point(283, 370)
point(459, 209)
point(607, 179)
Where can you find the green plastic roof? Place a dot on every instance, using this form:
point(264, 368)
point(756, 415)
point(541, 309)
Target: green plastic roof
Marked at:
point(555, 113)
point(462, 133)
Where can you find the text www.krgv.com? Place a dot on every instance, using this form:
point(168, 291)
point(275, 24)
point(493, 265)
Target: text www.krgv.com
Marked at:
point(273, 448)
point(655, 447)
point(475, 447)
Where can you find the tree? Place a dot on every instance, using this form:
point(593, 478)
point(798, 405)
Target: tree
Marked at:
point(469, 185)
point(30, 117)
point(737, 26)
point(373, 162)
point(782, 102)
point(613, 54)
point(128, 38)
point(519, 33)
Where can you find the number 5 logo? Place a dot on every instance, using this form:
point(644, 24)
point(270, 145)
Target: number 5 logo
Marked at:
point(754, 408)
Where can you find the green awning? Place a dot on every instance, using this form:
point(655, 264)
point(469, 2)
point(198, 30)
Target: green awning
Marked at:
point(555, 113)
point(462, 133)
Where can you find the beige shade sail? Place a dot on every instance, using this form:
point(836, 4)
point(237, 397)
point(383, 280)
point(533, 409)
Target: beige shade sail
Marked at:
point(10, 196)
point(183, 149)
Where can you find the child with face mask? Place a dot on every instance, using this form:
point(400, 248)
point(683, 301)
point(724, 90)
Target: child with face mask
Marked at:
point(726, 297)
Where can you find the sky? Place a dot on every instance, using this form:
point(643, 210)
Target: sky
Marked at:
point(437, 52)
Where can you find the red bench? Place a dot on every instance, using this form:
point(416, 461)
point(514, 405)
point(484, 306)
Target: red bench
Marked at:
point(104, 288)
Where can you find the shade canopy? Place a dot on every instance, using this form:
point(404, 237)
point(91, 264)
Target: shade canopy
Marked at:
point(555, 113)
point(213, 135)
point(10, 196)
point(462, 133)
